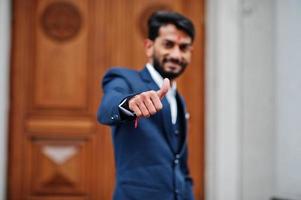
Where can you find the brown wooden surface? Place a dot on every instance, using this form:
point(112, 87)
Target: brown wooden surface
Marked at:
point(61, 49)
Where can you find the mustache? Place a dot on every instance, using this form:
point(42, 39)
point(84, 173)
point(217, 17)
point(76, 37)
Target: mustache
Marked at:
point(175, 61)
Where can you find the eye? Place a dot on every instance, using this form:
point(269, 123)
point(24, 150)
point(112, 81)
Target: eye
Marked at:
point(168, 44)
point(185, 47)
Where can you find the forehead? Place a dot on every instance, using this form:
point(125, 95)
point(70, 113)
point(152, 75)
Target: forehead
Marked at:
point(170, 32)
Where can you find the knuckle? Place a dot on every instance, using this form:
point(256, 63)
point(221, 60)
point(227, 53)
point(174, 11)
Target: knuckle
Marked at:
point(132, 104)
point(152, 92)
point(152, 112)
point(133, 101)
point(143, 94)
point(147, 95)
point(137, 98)
point(159, 107)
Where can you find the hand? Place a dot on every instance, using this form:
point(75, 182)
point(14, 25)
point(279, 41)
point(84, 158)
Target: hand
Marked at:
point(149, 103)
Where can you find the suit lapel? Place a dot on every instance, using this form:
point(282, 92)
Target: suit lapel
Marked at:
point(167, 124)
point(182, 106)
point(145, 75)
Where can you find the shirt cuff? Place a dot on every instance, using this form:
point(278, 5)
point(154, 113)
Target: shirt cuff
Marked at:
point(122, 106)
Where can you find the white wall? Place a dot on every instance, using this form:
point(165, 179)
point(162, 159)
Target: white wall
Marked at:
point(223, 100)
point(258, 99)
point(4, 89)
point(240, 100)
point(253, 99)
point(288, 65)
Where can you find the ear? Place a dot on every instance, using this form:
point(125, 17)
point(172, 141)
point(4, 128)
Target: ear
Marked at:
point(149, 46)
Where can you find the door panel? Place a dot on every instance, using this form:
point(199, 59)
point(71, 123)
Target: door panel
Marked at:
point(61, 55)
point(61, 49)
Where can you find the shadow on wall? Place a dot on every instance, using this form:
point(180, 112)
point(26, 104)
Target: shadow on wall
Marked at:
point(276, 198)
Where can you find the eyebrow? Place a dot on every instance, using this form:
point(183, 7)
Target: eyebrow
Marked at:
point(182, 43)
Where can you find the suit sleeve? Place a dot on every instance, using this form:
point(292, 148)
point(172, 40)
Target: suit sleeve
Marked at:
point(116, 88)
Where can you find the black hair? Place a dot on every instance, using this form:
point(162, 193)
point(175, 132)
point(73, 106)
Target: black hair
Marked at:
point(162, 17)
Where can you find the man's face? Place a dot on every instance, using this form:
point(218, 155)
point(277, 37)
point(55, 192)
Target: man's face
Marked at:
point(170, 52)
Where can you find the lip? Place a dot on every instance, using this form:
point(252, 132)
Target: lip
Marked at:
point(172, 66)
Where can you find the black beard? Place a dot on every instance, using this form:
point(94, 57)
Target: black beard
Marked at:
point(170, 75)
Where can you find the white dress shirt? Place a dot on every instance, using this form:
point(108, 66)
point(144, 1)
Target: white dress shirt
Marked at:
point(171, 94)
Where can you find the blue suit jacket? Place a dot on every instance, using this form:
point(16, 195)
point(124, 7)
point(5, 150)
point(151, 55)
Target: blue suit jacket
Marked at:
point(148, 167)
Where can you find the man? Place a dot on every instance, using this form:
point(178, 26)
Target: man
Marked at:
point(147, 115)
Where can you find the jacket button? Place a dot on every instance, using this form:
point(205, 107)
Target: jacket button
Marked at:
point(176, 191)
point(176, 161)
point(177, 156)
point(114, 117)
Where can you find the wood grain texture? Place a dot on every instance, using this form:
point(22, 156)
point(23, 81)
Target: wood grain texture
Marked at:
point(60, 70)
point(55, 93)
point(38, 125)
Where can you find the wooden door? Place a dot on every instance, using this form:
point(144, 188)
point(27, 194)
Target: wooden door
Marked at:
point(61, 49)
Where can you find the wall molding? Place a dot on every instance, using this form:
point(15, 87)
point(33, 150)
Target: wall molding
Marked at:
point(223, 100)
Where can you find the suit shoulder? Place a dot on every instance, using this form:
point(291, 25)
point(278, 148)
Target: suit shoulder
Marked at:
point(120, 71)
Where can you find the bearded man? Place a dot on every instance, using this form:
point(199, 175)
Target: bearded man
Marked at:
point(147, 115)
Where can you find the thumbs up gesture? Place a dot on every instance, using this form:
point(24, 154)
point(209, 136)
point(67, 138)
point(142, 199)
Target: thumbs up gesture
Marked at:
point(149, 103)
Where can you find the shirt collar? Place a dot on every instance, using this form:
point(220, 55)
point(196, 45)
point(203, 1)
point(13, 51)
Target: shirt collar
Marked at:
point(159, 79)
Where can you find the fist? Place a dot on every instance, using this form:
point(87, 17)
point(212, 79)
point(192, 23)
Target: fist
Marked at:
point(149, 103)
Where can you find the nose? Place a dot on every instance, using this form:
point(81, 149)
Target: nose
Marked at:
point(176, 53)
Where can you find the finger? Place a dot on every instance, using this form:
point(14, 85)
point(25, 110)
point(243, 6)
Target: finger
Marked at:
point(156, 102)
point(164, 89)
point(136, 110)
point(150, 107)
point(143, 109)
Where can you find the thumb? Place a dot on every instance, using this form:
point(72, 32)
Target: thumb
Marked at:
point(164, 89)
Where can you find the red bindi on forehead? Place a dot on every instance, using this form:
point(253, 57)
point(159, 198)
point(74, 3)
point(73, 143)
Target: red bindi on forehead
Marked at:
point(179, 38)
